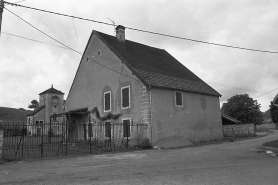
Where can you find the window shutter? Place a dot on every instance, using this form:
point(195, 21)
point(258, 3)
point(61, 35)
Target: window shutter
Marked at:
point(107, 101)
point(178, 99)
point(126, 128)
point(90, 130)
point(107, 129)
point(125, 97)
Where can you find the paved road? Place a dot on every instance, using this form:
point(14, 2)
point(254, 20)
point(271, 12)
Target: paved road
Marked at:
point(225, 163)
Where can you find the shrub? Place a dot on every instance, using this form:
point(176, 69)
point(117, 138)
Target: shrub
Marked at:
point(146, 144)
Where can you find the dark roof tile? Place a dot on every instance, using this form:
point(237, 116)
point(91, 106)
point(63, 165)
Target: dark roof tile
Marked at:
point(52, 91)
point(156, 67)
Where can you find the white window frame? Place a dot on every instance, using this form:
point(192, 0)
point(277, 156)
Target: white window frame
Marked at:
point(129, 125)
point(104, 101)
point(128, 97)
point(176, 99)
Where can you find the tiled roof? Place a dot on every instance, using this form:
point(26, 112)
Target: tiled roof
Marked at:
point(156, 67)
point(52, 91)
point(38, 109)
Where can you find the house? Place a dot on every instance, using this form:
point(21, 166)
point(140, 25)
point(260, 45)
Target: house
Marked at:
point(140, 83)
point(51, 101)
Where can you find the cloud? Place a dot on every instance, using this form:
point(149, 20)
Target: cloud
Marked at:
point(31, 67)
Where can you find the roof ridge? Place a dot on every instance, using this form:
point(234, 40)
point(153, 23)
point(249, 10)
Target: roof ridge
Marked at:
point(134, 42)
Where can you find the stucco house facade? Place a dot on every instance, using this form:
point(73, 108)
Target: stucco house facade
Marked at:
point(146, 85)
point(51, 101)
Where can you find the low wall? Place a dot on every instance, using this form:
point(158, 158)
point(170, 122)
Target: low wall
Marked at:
point(242, 130)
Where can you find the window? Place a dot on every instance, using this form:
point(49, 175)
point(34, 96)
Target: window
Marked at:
point(126, 127)
point(108, 129)
point(54, 118)
point(125, 97)
point(107, 101)
point(203, 103)
point(179, 98)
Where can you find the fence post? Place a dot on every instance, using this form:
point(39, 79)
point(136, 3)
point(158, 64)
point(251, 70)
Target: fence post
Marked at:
point(137, 134)
point(42, 135)
point(22, 146)
point(90, 133)
point(67, 122)
point(114, 136)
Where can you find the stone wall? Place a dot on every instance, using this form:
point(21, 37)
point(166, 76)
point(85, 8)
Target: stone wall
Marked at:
point(145, 108)
point(242, 130)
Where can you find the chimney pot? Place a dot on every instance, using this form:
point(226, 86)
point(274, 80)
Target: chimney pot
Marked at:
point(120, 33)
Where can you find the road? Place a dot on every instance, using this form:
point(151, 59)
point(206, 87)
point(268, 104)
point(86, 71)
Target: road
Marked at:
point(223, 163)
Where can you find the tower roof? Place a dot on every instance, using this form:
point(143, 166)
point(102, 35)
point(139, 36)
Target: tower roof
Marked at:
point(51, 91)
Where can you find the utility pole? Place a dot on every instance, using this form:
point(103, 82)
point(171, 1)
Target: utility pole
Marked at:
point(1, 13)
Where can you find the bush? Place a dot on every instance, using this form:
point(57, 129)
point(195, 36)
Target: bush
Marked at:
point(146, 144)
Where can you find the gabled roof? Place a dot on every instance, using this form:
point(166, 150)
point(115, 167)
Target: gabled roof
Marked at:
point(156, 67)
point(38, 109)
point(52, 91)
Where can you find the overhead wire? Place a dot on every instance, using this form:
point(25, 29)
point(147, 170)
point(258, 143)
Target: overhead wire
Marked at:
point(75, 31)
point(146, 31)
point(68, 48)
point(33, 40)
point(267, 92)
point(66, 45)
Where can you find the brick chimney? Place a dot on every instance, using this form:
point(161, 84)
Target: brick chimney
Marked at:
point(120, 33)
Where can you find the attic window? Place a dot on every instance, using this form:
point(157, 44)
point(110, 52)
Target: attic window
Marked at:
point(179, 102)
point(203, 103)
point(99, 53)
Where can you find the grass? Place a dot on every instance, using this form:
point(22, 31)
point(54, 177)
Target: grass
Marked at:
point(272, 144)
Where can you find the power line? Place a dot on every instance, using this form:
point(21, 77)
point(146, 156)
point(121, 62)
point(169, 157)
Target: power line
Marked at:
point(75, 31)
point(66, 45)
point(20, 1)
point(145, 31)
point(267, 92)
point(33, 40)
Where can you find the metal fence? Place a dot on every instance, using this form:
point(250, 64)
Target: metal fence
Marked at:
point(23, 141)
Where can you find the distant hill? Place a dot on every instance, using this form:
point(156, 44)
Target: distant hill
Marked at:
point(13, 115)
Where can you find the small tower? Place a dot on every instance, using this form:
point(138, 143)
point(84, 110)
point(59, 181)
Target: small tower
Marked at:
point(53, 101)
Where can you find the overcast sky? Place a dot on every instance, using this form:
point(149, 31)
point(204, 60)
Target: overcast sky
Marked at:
point(27, 68)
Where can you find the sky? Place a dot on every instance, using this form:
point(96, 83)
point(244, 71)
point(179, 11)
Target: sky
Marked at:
point(28, 68)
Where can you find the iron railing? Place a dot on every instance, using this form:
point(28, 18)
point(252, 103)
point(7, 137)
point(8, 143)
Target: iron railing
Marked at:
point(23, 141)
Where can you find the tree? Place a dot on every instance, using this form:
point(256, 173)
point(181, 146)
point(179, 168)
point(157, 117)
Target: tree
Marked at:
point(34, 104)
point(243, 108)
point(274, 113)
